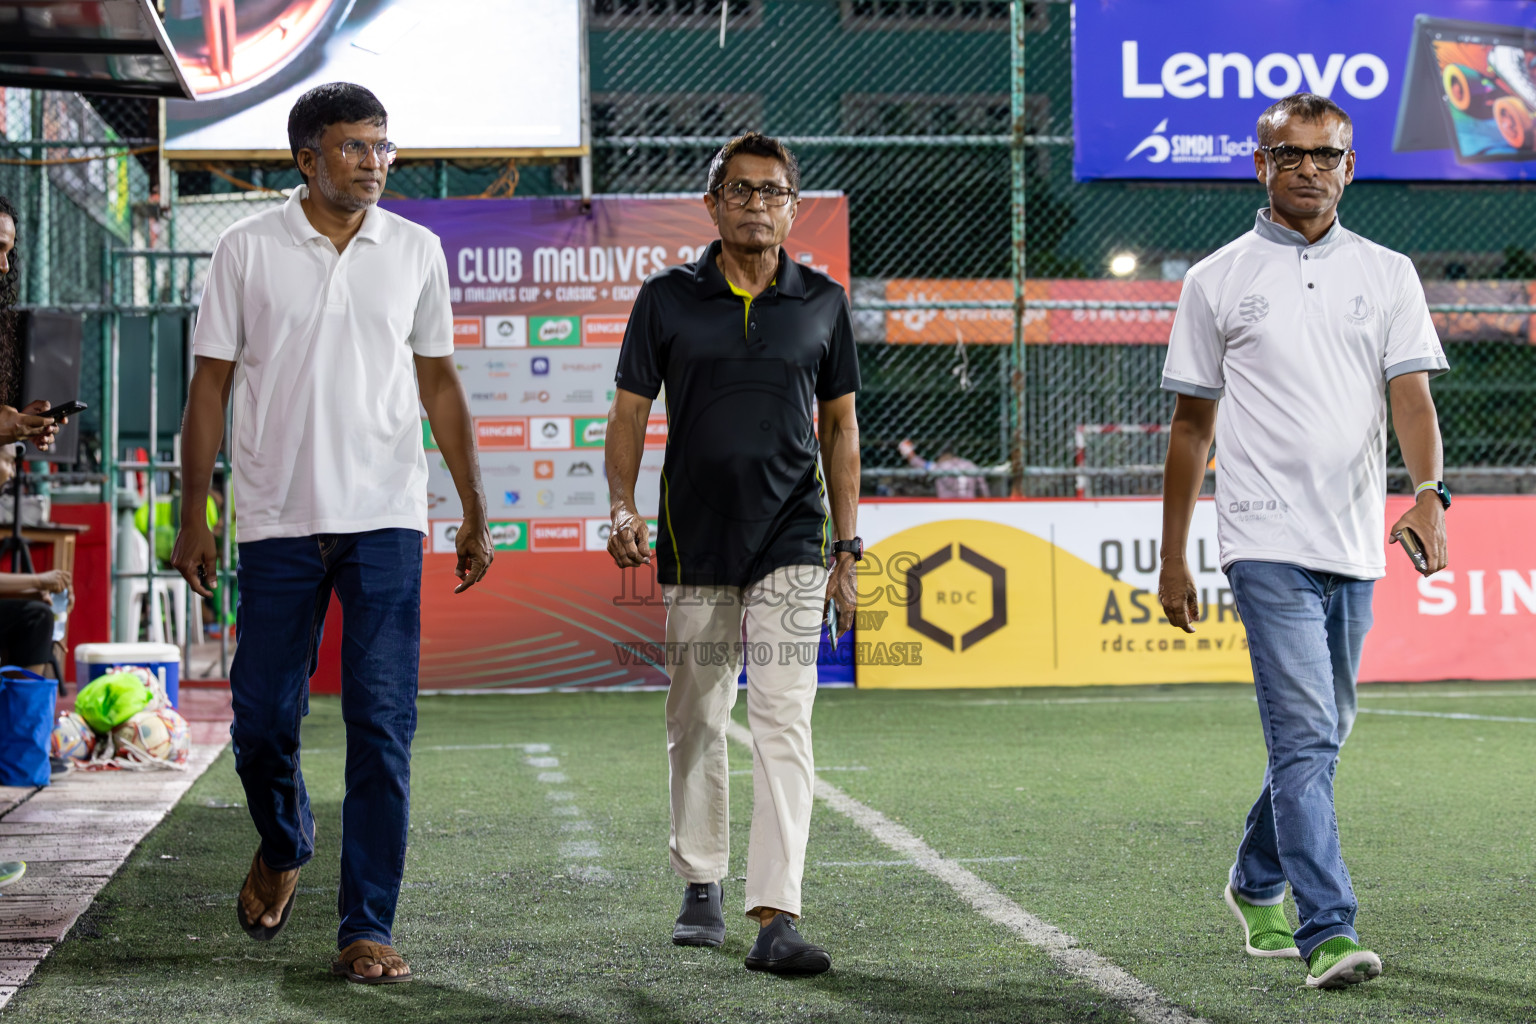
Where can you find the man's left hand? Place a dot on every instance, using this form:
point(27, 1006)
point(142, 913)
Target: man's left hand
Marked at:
point(840, 588)
point(1427, 520)
point(473, 543)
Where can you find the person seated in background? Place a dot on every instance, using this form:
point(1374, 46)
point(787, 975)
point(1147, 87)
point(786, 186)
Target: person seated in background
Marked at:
point(26, 616)
point(950, 487)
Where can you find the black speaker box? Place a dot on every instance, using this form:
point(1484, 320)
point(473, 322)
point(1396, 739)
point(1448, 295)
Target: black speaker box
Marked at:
point(50, 368)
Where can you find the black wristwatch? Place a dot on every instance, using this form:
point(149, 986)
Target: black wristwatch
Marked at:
point(1440, 491)
point(854, 547)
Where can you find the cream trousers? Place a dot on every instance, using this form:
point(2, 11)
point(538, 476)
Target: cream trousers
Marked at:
point(782, 617)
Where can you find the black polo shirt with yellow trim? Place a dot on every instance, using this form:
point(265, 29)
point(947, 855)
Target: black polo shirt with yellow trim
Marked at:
point(741, 487)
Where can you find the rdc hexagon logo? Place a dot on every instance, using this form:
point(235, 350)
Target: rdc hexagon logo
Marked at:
point(995, 574)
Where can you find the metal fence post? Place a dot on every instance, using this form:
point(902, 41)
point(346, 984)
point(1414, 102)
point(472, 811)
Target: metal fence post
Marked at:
point(1016, 458)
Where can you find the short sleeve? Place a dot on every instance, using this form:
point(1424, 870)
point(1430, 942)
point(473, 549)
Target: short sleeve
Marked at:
point(1412, 345)
point(219, 333)
point(1196, 346)
point(838, 373)
point(432, 330)
point(643, 357)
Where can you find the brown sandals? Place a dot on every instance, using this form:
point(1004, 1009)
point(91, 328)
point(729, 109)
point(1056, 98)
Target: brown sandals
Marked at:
point(268, 886)
point(363, 954)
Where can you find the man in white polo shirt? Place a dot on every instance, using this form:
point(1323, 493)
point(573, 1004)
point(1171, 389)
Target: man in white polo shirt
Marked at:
point(327, 319)
point(1300, 328)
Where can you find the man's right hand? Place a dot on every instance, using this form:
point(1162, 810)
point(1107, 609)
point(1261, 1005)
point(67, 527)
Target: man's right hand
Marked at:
point(44, 584)
point(1176, 590)
point(629, 541)
point(26, 424)
point(196, 549)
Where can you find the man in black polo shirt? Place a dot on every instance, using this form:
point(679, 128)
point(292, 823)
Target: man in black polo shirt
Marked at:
point(750, 346)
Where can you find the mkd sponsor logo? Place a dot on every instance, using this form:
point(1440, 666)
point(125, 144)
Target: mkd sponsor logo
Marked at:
point(511, 536)
point(555, 330)
point(591, 431)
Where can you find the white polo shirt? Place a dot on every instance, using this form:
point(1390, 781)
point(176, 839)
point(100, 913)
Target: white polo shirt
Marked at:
point(327, 428)
point(1300, 341)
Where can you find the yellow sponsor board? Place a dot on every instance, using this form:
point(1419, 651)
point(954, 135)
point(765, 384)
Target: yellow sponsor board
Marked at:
point(984, 603)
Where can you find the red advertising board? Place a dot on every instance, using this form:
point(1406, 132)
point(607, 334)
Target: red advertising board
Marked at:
point(1090, 326)
point(1475, 619)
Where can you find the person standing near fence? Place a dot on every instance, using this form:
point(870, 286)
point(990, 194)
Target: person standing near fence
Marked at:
point(749, 345)
point(328, 319)
point(1300, 329)
point(968, 481)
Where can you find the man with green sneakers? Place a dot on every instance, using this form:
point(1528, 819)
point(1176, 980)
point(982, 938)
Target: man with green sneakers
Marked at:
point(1303, 328)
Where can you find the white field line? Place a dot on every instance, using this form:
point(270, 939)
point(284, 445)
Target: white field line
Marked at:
point(1460, 716)
point(575, 849)
point(1139, 998)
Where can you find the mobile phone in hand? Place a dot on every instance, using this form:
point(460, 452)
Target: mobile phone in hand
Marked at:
point(1410, 542)
point(58, 412)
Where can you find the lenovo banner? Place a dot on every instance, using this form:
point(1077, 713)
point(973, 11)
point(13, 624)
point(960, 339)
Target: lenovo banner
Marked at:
point(1438, 89)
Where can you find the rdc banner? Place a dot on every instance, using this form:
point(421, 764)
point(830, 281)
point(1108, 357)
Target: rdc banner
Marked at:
point(1437, 90)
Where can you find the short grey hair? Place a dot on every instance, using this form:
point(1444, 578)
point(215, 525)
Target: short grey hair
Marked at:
point(1303, 106)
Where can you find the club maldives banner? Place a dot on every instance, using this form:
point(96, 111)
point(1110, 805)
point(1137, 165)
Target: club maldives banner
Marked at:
point(541, 293)
point(1437, 89)
point(1052, 593)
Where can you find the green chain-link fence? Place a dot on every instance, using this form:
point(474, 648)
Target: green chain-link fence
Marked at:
point(910, 108)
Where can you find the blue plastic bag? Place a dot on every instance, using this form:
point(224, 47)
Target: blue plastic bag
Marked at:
point(26, 723)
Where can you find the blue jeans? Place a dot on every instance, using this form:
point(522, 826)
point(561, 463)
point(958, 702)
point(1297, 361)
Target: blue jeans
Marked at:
point(285, 588)
point(1305, 630)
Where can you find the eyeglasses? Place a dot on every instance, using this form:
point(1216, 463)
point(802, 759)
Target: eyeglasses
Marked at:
point(1288, 158)
point(356, 151)
point(739, 194)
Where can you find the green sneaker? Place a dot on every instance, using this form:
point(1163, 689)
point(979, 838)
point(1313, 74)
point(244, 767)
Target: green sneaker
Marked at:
point(11, 870)
point(1266, 932)
point(1341, 962)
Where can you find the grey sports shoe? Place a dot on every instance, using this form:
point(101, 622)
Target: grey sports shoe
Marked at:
point(702, 922)
point(781, 949)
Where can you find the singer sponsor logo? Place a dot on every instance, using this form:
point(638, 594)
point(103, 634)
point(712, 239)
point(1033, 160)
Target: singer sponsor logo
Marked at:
point(557, 534)
point(501, 433)
point(603, 330)
point(656, 432)
point(466, 332)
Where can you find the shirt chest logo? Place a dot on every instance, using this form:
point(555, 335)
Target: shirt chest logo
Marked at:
point(1253, 308)
point(1359, 310)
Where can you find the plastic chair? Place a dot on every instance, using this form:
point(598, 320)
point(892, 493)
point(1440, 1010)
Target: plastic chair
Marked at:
point(170, 598)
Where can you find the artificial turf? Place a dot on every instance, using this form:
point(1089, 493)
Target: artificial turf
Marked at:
point(1111, 813)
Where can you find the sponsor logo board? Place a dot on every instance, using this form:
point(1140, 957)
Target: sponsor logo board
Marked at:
point(557, 534)
point(467, 332)
point(506, 331)
point(590, 431)
point(554, 330)
point(603, 330)
point(549, 432)
point(501, 433)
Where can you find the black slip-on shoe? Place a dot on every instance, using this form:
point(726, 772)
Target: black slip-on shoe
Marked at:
point(781, 949)
point(702, 922)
